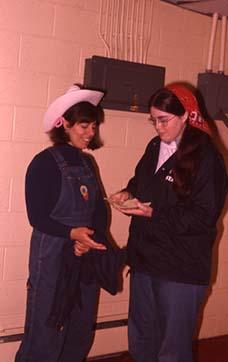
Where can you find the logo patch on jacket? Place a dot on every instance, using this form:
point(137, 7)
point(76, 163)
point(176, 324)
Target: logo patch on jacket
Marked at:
point(169, 177)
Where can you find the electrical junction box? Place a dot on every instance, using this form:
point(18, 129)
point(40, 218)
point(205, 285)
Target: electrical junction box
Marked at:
point(214, 89)
point(128, 86)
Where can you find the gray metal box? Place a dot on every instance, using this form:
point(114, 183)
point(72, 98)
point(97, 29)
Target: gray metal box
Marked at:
point(214, 89)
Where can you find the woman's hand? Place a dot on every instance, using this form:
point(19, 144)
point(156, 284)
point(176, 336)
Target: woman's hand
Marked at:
point(118, 198)
point(82, 236)
point(80, 249)
point(140, 210)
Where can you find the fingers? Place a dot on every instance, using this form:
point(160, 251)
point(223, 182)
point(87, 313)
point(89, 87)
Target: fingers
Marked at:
point(80, 249)
point(83, 235)
point(136, 212)
point(80, 232)
point(88, 242)
point(119, 197)
point(146, 210)
point(89, 231)
point(141, 210)
point(117, 206)
point(94, 245)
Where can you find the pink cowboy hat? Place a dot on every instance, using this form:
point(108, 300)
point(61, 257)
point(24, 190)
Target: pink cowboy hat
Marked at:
point(74, 95)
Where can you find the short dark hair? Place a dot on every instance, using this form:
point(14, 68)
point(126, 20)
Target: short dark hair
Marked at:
point(80, 113)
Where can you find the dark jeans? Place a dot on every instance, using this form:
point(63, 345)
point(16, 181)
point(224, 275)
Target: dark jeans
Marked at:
point(44, 344)
point(162, 319)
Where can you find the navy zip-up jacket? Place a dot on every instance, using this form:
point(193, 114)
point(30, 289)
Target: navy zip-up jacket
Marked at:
point(176, 242)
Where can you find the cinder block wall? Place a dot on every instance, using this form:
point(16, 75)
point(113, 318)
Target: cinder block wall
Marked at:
point(43, 48)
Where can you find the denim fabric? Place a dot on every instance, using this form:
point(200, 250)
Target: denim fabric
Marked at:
point(72, 209)
point(162, 318)
point(71, 344)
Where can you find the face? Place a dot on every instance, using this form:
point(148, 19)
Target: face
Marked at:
point(81, 133)
point(168, 126)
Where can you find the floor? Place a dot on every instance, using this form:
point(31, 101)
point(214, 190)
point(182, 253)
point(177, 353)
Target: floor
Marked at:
point(206, 350)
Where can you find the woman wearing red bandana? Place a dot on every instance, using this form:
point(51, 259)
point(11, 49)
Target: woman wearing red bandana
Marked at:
point(170, 242)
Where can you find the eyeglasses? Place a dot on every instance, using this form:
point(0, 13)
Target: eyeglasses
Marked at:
point(162, 120)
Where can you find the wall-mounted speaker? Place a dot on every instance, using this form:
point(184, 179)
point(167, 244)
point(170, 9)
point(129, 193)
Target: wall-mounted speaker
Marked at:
point(128, 86)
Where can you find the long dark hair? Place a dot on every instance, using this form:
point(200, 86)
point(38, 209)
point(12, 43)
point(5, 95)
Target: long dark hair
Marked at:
point(80, 113)
point(189, 151)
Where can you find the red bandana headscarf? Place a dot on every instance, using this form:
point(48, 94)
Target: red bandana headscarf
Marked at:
point(190, 104)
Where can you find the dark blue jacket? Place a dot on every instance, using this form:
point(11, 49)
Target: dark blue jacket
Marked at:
point(176, 242)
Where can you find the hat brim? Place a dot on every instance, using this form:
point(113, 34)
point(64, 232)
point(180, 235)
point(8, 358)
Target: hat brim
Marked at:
point(63, 103)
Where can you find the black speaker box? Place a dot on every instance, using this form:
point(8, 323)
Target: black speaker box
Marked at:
point(128, 86)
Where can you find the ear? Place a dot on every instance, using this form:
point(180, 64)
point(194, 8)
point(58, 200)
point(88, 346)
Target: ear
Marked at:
point(65, 124)
point(185, 116)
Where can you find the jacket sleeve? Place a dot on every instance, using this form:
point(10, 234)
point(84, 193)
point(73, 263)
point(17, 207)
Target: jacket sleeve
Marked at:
point(199, 213)
point(133, 182)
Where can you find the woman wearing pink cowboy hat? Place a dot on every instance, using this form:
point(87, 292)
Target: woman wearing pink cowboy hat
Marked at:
point(70, 256)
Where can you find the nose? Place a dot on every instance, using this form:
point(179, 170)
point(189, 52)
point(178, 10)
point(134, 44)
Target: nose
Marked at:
point(91, 130)
point(158, 126)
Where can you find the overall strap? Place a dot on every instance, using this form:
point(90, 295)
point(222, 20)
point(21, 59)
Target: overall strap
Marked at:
point(58, 157)
point(62, 163)
point(85, 162)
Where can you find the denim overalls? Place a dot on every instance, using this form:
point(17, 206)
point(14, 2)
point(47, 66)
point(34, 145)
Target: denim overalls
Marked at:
point(75, 208)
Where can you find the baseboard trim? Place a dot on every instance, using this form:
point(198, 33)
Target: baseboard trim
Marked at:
point(97, 326)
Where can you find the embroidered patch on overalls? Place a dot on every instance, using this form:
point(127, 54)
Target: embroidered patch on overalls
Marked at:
point(84, 192)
